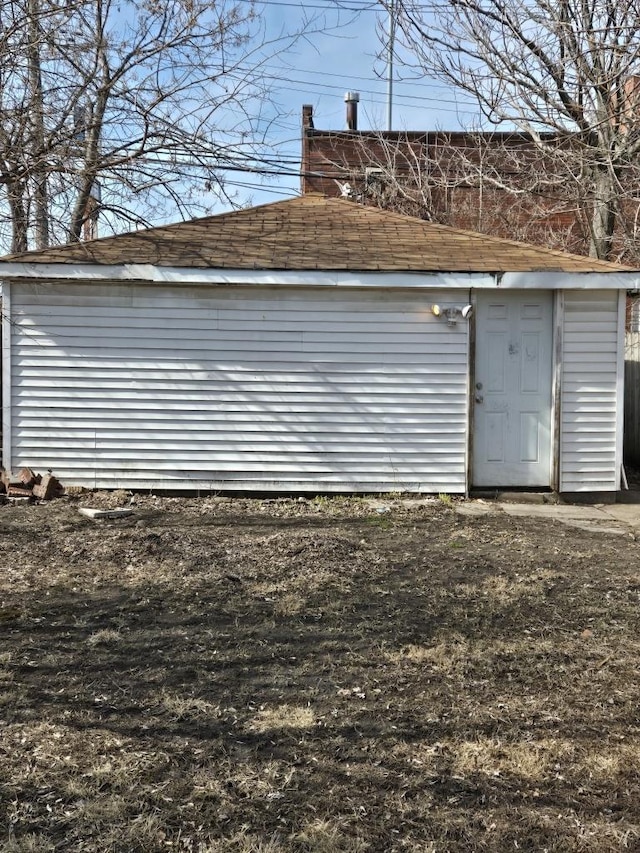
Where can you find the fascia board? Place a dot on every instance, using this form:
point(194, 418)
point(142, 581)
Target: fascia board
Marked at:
point(319, 278)
point(569, 280)
point(184, 275)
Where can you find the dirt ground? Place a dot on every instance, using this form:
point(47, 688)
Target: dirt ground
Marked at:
point(328, 675)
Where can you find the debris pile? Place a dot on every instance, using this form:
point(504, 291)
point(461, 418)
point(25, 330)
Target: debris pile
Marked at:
point(29, 485)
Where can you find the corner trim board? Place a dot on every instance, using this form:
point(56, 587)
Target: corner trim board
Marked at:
point(6, 376)
point(622, 306)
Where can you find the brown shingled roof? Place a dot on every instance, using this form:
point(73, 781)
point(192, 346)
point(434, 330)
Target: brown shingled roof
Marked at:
point(316, 233)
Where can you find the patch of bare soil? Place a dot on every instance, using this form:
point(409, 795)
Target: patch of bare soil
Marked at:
point(267, 676)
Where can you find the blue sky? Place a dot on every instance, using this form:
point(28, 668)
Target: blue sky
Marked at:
point(321, 67)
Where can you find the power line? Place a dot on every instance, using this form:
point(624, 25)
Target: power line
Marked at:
point(326, 7)
point(335, 87)
point(276, 72)
point(340, 6)
point(432, 83)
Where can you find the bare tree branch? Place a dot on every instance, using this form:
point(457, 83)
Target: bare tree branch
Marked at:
point(129, 108)
point(561, 71)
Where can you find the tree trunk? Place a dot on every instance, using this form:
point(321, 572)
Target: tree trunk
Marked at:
point(19, 225)
point(87, 177)
point(39, 168)
point(604, 213)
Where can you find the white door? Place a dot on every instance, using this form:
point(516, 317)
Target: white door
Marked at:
point(512, 436)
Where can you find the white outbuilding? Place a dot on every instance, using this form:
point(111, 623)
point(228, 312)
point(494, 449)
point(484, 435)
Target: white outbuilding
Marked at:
point(314, 345)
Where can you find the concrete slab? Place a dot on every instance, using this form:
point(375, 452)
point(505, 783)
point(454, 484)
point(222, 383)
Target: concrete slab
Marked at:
point(583, 517)
point(96, 514)
point(626, 513)
point(596, 527)
point(617, 518)
point(559, 511)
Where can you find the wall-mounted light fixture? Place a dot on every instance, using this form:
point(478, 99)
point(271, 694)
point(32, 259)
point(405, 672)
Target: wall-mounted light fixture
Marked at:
point(452, 314)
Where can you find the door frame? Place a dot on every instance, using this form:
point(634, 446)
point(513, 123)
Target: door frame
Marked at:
point(557, 308)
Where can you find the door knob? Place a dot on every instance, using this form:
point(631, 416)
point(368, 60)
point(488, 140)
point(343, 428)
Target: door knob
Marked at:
point(479, 398)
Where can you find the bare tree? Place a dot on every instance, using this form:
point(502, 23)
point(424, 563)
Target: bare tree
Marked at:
point(129, 109)
point(561, 71)
point(496, 183)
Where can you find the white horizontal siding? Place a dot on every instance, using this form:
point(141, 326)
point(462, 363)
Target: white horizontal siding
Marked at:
point(238, 388)
point(590, 404)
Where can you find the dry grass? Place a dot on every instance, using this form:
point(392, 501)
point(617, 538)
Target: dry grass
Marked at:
point(104, 637)
point(240, 676)
point(328, 836)
point(283, 717)
point(531, 761)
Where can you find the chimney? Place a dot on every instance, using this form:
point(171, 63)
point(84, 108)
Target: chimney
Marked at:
point(625, 105)
point(632, 97)
point(307, 116)
point(351, 99)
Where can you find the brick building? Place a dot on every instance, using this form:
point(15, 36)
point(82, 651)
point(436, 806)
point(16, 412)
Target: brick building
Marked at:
point(495, 183)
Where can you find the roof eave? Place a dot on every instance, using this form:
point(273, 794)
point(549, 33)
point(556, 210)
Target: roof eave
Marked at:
point(149, 273)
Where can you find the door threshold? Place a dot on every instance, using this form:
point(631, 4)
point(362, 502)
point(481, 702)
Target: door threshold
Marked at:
point(533, 496)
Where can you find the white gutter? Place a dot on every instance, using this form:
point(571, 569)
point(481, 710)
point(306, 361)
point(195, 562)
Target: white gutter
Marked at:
point(570, 280)
point(318, 278)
